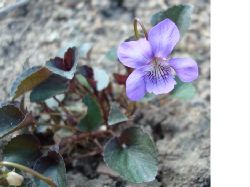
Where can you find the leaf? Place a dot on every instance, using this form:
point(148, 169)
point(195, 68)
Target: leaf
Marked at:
point(180, 14)
point(183, 91)
point(27, 80)
point(51, 165)
point(65, 67)
point(27, 182)
point(53, 86)
point(86, 71)
point(115, 115)
point(112, 54)
point(132, 155)
point(23, 149)
point(93, 118)
point(13, 119)
point(81, 79)
point(101, 78)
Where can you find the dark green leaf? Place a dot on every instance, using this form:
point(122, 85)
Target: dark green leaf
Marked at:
point(133, 155)
point(13, 119)
point(65, 67)
point(180, 14)
point(93, 118)
point(53, 86)
point(27, 80)
point(27, 182)
point(51, 165)
point(116, 115)
point(183, 91)
point(23, 149)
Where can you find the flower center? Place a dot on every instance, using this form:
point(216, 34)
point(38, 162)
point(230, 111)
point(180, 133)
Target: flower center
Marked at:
point(159, 71)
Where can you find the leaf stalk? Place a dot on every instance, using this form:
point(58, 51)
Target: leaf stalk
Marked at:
point(29, 170)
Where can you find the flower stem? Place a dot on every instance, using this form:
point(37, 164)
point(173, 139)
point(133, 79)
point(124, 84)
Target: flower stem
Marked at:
point(137, 33)
point(31, 171)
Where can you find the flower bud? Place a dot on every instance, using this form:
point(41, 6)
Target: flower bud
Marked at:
point(14, 178)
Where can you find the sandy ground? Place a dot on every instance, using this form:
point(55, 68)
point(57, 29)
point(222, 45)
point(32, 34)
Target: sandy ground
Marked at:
point(181, 129)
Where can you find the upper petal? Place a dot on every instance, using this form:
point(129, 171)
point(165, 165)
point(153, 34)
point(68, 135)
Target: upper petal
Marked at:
point(135, 54)
point(163, 37)
point(185, 68)
point(135, 85)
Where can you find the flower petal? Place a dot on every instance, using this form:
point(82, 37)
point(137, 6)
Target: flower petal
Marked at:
point(135, 85)
point(160, 85)
point(185, 68)
point(135, 54)
point(163, 37)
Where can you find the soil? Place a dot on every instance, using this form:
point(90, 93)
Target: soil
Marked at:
point(181, 129)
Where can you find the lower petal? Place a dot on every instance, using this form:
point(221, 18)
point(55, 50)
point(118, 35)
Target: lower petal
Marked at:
point(135, 85)
point(160, 86)
point(185, 68)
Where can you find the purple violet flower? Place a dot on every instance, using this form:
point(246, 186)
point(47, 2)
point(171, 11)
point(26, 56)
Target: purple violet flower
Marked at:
point(154, 71)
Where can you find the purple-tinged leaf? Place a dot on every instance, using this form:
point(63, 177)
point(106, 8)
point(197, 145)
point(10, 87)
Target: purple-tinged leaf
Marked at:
point(28, 79)
point(51, 165)
point(53, 86)
point(13, 119)
point(23, 149)
point(65, 67)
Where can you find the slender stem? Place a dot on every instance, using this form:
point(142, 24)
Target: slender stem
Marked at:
point(83, 135)
point(31, 171)
point(100, 99)
point(65, 110)
point(71, 128)
point(137, 33)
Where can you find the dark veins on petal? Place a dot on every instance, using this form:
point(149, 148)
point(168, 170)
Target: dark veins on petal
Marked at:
point(159, 73)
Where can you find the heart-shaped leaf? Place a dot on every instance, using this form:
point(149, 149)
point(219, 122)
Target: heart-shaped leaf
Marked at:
point(51, 165)
point(53, 86)
point(23, 149)
point(183, 91)
point(27, 80)
point(65, 67)
point(180, 14)
point(133, 155)
point(116, 115)
point(93, 118)
point(13, 119)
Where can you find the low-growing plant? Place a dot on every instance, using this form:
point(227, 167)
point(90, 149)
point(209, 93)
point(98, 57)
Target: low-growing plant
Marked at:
point(59, 127)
